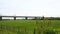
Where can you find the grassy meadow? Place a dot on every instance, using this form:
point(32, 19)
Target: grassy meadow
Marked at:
point(29, 26)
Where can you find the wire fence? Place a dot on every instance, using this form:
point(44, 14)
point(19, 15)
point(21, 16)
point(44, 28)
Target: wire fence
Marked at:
point(14, 29)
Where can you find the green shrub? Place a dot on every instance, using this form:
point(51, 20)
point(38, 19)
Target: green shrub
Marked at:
point(48, 31)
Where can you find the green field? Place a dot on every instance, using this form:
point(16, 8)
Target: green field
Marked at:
point(28, 26)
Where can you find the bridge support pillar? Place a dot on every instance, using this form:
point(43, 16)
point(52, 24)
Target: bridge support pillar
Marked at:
point(42, 18)
point(36, 18)
point(0, 17)
point(14, 18)
point(26, 18)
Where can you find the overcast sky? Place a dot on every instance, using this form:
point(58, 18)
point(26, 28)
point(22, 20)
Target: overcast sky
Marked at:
point(30, 7)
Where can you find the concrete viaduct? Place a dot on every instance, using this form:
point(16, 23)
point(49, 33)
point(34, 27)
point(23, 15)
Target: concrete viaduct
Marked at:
point(26, 17)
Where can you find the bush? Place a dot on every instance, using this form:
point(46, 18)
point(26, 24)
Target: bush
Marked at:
point(47, 31)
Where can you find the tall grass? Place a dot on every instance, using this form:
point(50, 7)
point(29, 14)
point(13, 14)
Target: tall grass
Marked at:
point(29, 26)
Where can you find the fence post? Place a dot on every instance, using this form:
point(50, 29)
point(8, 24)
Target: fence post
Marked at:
point(18, 32)
point(34, 31)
